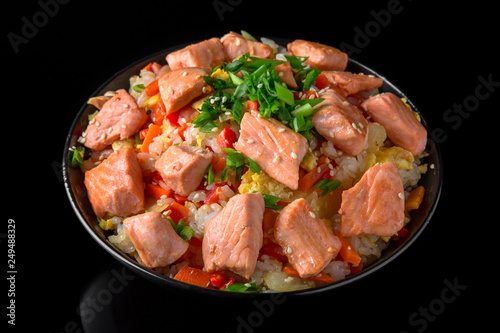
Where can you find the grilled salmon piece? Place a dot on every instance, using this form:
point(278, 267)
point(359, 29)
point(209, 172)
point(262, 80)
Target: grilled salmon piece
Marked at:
point(235, 45)
point(324, 57)
point(347, 83)
point(305, 240)
point(285, 71)
point(375, 205)
point(401, 125)
point(234, 237)
point(207, 54)
point(183, 167)
point(120, 117)
point(116, 185)
point(179, 87)
point(340, 122)
point(277, 149)
point(155, 240)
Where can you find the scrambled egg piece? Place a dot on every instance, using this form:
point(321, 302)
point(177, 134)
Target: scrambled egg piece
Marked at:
point(309, 162)
point(251, 182)
point(402, 157)
point(220, 74)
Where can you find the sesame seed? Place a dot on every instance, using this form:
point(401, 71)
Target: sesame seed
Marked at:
point(330, 249)
point(167, 212)
point(349, 247)
point(97, 123)
point(281, 74)
point(250, 141)
point(170, 91)
point(185, 73)
point(294, 156)
point(164, 196)
point(124, 126)
point(247, 284)
point(84, 134)
point(312, 215)
point(238, 42)
point(330, 165)
point(214, 129)
point(281, 130)
point(345, 102)
point(204, 89)
point(259, 85)
point(125, 105)
point(276, 158)
point(332, 173)
point(401, 195)
point(289, 250)
point(332, 134)
point(110, 130)
point(318, 170)
point(103, 136)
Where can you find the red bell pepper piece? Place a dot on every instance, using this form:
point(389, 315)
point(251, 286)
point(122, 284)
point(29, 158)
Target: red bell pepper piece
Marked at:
point(226, 138)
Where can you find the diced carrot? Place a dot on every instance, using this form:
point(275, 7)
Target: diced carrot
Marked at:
point(156, 191)
point(194, 276)
point(320, 277)
point(148, 67)
point(252, 105)
point(178, 212)
point(311, 178)
point(218, 163)
point(347, 251)
point(415, 198)
point(152, 88)
point(153, 132)
point(180, 198)
point(159, 112)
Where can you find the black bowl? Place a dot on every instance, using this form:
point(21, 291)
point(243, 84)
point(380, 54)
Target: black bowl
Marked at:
point(77, 194)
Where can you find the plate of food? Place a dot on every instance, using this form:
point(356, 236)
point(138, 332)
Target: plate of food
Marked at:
point(236, 165)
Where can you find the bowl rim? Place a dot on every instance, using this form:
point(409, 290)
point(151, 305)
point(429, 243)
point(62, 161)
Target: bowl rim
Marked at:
point(165, 281)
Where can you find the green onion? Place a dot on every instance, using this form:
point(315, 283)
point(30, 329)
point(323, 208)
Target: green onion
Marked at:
point(328, 185)
point(186, 233)
point(271, 201)
point(284, 94)
point(253, 166)
point(77, 158)
point(304, 110)
point(138, 87)
point(244, 288)
point(210, 174)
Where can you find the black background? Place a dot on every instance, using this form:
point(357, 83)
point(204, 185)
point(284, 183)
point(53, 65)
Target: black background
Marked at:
point(434, 53)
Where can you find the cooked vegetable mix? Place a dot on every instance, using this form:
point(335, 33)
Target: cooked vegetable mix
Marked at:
point(244, 166)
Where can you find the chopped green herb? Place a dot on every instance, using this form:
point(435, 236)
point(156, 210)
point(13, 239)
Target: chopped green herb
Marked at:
point(186, 233)
point(253, 166)
point(244, 288)
point(77, 158)
point(328, 185)
point(138, 87)
point(210, 174)
point(271, 201)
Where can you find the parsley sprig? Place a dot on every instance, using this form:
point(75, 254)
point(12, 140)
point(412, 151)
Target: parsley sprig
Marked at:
point(255, 79)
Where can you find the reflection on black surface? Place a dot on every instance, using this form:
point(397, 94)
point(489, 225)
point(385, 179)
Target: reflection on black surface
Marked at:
point(118, 300)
